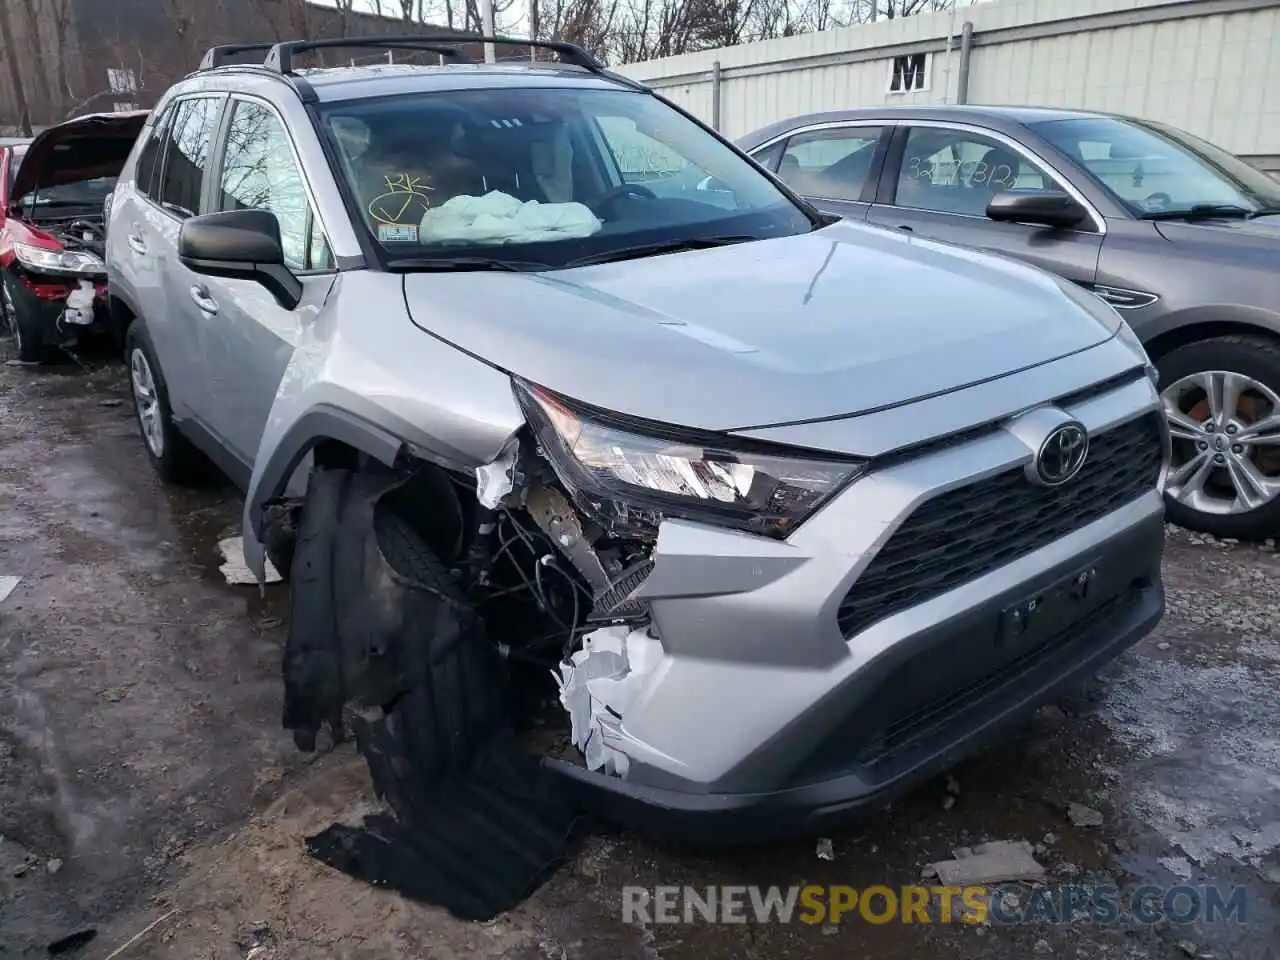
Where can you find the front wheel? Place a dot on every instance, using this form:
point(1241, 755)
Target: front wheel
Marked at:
point(26, 337)
point(1222, 400)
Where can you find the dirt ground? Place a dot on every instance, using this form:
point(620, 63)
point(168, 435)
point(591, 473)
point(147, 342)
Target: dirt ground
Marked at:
point(144, 776)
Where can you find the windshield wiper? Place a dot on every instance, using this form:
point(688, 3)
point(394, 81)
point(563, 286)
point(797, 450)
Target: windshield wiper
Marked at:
point(462, 265)
point(1201, 211)
point(1265, 212)
point(654, 249)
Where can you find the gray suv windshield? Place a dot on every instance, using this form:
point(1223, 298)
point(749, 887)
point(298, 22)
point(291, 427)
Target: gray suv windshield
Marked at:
point(545, 177)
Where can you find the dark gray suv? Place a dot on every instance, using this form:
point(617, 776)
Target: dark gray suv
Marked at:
point(1180, 236)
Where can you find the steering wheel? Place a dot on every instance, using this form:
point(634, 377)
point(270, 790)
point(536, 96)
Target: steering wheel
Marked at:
point(1157, 201)
point(606, 200)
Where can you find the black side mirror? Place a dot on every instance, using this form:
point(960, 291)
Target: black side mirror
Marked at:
point(240, 245)
point(1048, 208)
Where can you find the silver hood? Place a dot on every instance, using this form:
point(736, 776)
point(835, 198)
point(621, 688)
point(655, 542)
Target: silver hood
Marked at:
point(840, 321)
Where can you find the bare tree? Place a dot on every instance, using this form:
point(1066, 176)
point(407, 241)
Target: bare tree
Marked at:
point(37, 58)
point(15, 70)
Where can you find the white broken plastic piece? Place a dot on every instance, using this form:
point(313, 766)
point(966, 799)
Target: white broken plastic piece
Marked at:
point(7, 586)
point(495, 480)
point(236, 571)
point(1000, 861)
point(597, 686)
point(826, 851)
point(80, 304)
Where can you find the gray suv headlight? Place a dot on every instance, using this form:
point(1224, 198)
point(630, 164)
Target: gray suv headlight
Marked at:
point(630, 476)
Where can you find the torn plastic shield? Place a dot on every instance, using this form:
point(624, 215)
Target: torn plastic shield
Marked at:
point(597, 686)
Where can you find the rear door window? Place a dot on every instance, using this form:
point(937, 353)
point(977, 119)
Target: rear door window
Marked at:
point(186, 157)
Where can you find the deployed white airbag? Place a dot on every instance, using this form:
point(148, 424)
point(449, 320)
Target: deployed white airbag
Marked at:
point(501, 218)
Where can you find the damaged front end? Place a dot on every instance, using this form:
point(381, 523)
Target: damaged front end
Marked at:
point(460, 625)
point(53, 233)
point(547, 550)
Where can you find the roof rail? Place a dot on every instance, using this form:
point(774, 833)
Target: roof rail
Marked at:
point(217, 56)
point(281, 56)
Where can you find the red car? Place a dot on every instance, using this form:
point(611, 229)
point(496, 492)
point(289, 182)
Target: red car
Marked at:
point(53, 192)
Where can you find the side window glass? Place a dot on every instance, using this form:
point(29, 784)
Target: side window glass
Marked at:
point(259, 173)
point(953, 171)
point(187, 155)
point(145, 172)
point(768, 157)
point(830, 164)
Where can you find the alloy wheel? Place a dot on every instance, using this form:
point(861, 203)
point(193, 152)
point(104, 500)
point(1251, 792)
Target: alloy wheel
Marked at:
point(1226, 442)
point(147, 401)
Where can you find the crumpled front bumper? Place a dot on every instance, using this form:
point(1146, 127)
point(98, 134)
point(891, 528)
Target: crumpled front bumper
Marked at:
point(762, 719)
point(831, 776)
point(44, 307)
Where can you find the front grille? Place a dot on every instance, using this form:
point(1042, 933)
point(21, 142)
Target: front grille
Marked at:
point(968, 532)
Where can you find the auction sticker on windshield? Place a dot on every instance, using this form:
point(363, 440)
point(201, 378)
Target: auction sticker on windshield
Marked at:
point(398, 232)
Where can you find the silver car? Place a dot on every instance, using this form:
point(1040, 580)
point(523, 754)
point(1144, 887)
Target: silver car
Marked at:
point(792, 511)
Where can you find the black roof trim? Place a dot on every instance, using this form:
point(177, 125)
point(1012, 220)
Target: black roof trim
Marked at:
point(218, 56)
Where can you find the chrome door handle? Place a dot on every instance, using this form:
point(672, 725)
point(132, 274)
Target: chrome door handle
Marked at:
point(136, 244)
point(906, 229)
point(202, 299)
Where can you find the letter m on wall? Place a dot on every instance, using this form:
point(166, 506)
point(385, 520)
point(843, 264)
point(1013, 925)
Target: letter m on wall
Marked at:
point(909, 72)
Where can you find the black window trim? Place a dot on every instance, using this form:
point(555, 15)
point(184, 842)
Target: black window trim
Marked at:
point(890, 174)
point(214, 184)
point(158, 173)
point(158, 129)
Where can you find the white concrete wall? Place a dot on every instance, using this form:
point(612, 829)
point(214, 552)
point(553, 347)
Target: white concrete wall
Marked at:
point(1211, 67)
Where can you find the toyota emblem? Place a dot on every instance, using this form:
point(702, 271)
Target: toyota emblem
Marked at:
point(1062, 454)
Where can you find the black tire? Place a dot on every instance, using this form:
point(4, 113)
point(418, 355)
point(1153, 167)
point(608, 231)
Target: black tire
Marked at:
point(27, 337)
point(1255, 357)
point(456, 697)
point(174, 459)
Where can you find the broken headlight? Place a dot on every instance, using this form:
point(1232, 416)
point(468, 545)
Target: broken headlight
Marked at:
point(629, 481)
point(57, 261)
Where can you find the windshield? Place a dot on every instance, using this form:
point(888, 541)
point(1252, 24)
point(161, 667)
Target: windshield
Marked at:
point(82, 193)
point(1154, 169)
point(545, 177)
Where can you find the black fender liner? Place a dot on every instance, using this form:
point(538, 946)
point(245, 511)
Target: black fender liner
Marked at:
point(322, 422)
point(358, 611)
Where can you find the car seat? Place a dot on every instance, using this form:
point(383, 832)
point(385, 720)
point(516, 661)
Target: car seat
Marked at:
point(996, 171)
point(503, 156)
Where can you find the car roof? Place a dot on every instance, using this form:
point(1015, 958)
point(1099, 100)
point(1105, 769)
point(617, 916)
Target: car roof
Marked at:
point(995, 116)
point(335, 84)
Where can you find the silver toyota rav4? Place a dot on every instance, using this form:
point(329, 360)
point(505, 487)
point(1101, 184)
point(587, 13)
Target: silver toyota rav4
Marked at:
point(784, 512)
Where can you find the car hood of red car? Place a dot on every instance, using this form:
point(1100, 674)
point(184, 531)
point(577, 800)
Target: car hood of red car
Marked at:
point(95, 145)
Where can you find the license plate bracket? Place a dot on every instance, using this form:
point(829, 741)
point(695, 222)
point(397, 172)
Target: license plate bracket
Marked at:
point(1046, 612)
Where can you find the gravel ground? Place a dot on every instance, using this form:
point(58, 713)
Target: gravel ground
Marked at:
point(144, 775)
